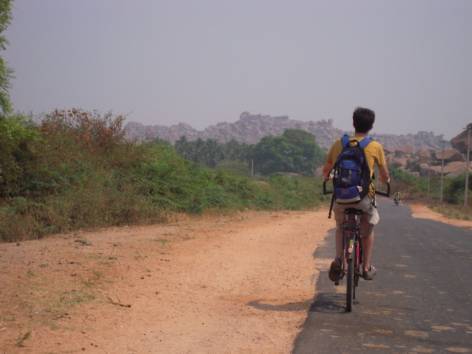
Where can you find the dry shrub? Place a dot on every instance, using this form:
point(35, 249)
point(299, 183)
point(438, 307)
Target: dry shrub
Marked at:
point(97, 133)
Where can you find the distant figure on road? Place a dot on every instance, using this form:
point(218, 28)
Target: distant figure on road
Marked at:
point(396, 198)
point(363, 121)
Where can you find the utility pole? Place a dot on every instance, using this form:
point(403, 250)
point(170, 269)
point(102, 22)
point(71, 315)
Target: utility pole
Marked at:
point(466, 189)
point(429, 183)
point(252, 167)
point(441, 197)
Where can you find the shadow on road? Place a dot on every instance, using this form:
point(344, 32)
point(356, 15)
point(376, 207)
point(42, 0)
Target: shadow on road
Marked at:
point(328, 303)
point(326, 300)
point(289, 307)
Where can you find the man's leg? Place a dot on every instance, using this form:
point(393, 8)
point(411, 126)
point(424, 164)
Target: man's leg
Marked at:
point(369, 219)
point(339, 241)
point(339, 217)
point(335, 270)
point(367, 239)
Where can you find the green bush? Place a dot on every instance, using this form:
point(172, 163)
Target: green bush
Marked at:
point(17, 139)
point(454, 190)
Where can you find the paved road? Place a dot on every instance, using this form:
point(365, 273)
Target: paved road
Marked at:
point(420, 301)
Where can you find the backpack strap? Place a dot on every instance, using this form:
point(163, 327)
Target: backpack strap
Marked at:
point(364, 142)
point(345, 141)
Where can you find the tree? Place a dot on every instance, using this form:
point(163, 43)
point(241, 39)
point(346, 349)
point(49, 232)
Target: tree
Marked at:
point(294, 151)
point(209, 152)
point(5, 72)
point(16, 132)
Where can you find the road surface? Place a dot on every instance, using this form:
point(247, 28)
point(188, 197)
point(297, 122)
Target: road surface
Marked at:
point(420, 301)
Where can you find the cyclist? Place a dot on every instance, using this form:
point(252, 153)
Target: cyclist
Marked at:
point(363, 121)
point(396, 198)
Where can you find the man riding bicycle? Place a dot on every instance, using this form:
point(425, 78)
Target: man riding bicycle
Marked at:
point(363, 121)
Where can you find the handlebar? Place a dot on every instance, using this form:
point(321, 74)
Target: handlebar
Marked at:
point(325, 191)
point(385, 194)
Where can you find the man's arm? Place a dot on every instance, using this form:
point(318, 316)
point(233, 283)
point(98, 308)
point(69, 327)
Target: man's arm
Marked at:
point(384, 174)
point(330, 159)
point(383, 167)
point(327, 169)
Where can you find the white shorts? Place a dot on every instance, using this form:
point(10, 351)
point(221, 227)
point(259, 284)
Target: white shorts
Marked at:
point(366, 205)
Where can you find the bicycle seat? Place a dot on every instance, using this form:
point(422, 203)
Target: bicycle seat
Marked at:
point(353, 211)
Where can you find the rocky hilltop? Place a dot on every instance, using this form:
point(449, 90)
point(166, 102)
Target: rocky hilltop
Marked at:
point(411, 143)
point(251, 128)
point(248, 129)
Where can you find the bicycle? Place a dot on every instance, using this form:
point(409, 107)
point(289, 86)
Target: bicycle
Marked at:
point(352, 248)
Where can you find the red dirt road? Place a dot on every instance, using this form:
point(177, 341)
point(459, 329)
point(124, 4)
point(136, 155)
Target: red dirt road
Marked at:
point(212, 284)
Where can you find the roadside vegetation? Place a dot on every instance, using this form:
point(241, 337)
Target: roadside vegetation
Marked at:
point(428, 190)
point(75, 169)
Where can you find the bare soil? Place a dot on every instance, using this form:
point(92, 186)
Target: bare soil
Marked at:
point(423, 212)
point(211, 284)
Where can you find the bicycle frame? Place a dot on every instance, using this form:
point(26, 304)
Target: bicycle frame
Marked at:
point(352, 247)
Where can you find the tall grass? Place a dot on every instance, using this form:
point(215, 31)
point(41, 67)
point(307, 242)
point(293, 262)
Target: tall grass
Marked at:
point(75, 170)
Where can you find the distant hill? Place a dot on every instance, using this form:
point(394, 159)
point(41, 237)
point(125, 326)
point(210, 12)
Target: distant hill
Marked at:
point(251, 128)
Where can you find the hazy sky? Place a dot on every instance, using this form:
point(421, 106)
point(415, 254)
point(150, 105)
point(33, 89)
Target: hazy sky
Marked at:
point(206, 61)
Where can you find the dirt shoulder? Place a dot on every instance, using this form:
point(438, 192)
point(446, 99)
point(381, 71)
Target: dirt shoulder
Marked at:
point(240, 283)
point(423, 212)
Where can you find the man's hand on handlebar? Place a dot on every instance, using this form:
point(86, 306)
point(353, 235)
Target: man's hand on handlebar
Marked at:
point(384, 175)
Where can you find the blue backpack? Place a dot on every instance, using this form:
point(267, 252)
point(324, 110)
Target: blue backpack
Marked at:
point(352, 176)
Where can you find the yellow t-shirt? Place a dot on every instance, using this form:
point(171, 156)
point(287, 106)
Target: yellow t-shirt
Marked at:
point(374, 154)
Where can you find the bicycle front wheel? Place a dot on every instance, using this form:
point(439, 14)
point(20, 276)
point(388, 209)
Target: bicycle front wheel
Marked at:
point(350, 284)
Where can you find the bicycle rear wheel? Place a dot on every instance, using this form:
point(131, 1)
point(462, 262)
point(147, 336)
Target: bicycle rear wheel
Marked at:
point(350, 283)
